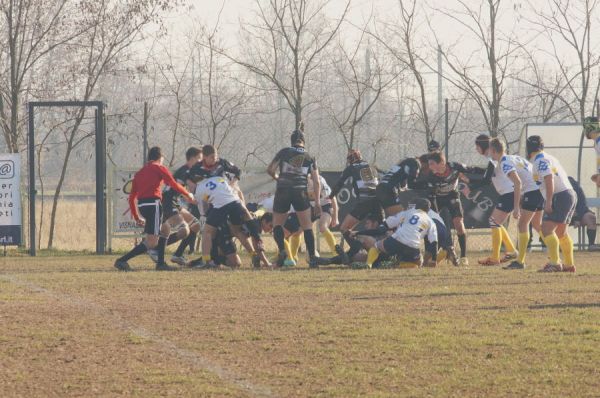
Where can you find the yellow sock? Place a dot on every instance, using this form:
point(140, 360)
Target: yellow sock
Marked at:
point(508, 243)
point(206, 258)
point(288, 250)
point(523, 241)
point(496, 242)
point(330, 239)
point(372, 256)
point(566, 245)
point(295, 245)
point(552, 243)
point(442, 255)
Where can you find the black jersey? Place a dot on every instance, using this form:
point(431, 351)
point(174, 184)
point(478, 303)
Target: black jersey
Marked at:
point(295, 164)
point(180, 175)
point(222, 168)
point(364, 180)
point(402, 174)
point(447, 183)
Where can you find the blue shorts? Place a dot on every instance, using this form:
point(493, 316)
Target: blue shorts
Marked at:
point(402, 252)
point(563, 207)
point(506, 202)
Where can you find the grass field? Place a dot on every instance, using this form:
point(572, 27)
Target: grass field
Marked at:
point(71, 326)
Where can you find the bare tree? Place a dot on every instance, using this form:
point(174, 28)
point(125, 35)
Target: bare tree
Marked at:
point(30, 29)
point(498, 53)
point(570, 23)
point(286, 45)
point(362, 77)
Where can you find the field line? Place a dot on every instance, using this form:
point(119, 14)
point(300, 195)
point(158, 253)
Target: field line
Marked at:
point(116, 321)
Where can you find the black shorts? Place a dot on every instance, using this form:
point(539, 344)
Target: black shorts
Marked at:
point(506, 202)
point(563, 207)
point(223, 243)
point(151, 211)
point(450, 202)
point(402, 252)
point(327, 208)
point(292, 223)
point(286, 197)
point(365, 207)
point(387, 195)
point(533, 201)
point(232, 212)
point(170, 209)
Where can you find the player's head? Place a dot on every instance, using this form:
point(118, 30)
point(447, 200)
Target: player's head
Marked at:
point(266, 222)
point(297, 138)
point(497, 149)
point(482, 144)
point(411, 166)
point(437, 162)
point(534, 144)
point(193, 154)
point(591, 126)
point(422, 204)
point(155, 154)
point(209, 155)
point(353, 156)
point(424, 160)
point(372, 221)
point(433, 146)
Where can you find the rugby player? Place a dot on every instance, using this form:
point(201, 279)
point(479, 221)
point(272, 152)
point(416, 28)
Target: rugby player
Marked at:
point(364, 184)
point(146, 196)
point(291, 168)
point(559, 208)
point(584, 216)
point(443, 181)
point(411, 227)
point(329, 211)
point(592, 132)
point(399, 177)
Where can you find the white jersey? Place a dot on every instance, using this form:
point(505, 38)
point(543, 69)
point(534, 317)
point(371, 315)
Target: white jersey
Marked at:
point(545, 165)
point(522, 167)
point(216, 191)
point(597, 147)
point(412, 226)
point(500, 180)
point(325, 191)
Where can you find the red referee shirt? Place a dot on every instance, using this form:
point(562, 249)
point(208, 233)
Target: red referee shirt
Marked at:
point(147, 184)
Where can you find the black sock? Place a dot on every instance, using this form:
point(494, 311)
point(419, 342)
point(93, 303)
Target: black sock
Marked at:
point(192, 242)
point(184, 243)
point(354, 244)
point(136, 251)
point(279, 237)
point(309, 240)
point(462, 242)
point(591, 233)
point(162, 244)
point(173, 238)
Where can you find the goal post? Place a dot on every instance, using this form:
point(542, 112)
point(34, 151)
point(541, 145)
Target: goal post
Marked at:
point(100, 135)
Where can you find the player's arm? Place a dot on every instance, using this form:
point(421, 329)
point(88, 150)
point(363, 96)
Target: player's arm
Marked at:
point(170, 181)
point(232, 169)
point(133, 202)
point(335, 213)
point(514, 177)
point(273, 167)
point(486, 174)
point(431, 241)
point(337, 187)
point(314, 173)
point(549, 183)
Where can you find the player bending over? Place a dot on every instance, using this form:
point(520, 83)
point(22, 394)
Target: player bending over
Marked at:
point(146, 196)
point(592, 132)
point(398, 177)
point(584, 216)
point(364, 183)
point(411, 227)
point(559, 207)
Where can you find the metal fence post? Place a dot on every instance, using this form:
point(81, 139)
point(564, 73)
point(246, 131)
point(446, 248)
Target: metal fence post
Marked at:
point(32, 191)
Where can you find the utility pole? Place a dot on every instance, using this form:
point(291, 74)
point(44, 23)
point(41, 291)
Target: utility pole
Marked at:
point(440, 101)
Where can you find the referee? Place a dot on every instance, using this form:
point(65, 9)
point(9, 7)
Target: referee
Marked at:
point(147, 191)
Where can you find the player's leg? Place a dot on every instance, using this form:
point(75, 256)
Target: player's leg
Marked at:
point(305, 219)
point(324, 223)
point(281, 206)
point(193, 228)
point(589, 221)
point(151, 212)
point(496, 219)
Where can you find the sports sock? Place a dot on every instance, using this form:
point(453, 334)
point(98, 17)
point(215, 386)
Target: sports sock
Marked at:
point(566, 246)
point(442, 255)
point(591, 233)
point(508, 243)
point(309, 239)
point(330, 239)
point(552, 243)
point(354, 244)
point(192, 242)
point(141, 248)
point(462, 242)
point(496, 243)
point(523, 242)
point(184, 243)
point(173, 238)
point(294, 246)
point(288, 249)
point(162, 244)
point(279, 237)
point(372, 256)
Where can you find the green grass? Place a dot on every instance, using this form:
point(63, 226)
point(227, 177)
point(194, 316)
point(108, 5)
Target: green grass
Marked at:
point(70, 326)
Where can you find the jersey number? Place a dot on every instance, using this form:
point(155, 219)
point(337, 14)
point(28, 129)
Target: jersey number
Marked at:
point(413, 220)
